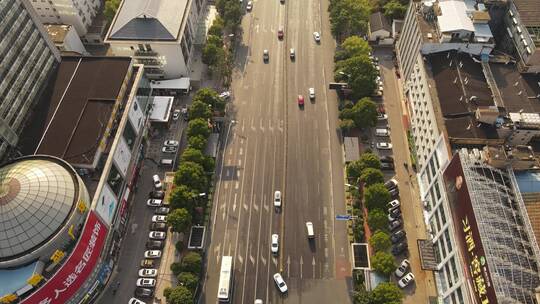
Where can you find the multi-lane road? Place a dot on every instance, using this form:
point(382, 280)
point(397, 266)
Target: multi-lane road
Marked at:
point(271, 144)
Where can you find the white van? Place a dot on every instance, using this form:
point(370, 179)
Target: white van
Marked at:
point(157, 181)
point(166, 162)
point(382, 132)
point(310, 232)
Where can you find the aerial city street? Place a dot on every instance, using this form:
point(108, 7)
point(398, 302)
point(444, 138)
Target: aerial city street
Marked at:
point(269, 151)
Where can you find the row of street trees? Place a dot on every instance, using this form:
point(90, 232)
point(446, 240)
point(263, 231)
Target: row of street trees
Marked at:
point(188, 198)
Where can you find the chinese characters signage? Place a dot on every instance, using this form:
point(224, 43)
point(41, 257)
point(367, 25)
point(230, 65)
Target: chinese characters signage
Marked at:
point(70, 277)
point(467, 234)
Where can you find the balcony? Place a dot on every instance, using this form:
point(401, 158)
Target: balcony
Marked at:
point(145, 54)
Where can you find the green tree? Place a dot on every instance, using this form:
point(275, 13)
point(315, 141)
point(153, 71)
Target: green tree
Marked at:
point(188, 280)
point(380, 241)
point(211, 54)
point(198, 127)
point(361, 296)
point(376, 196)
point(199, 109)
point(394, 9)
point(183, 197)
point(359, 73)
point(192, 262)
point(215, 40)
point(377, 220)
point(217, 27)
point(176, 268)
point(349, 17)
point(179, 220)
point(210, 97)
point(346, 124)
point(367, 160)
point(197, 142)
point(192, 175)
point(353, 46)
point(386, 293)
point(179, 295)
point(371, 176)
point(232, 15)
point(383, 263)
point(365, 113)
point(197, 156)
point(111, 6)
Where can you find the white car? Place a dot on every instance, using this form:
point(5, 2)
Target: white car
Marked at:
point(382, 116)
point(135, 301)
point(157, 235)
point(280, 283)
point(275, 243)
point(311, 93)
point(144, 282)
point(249, 6)
point(258, 301)
point(277, 199)
point(384, 146)
point(148, 273)
point(317, 36)
point(154, 202)
point(226, 95)
point(152, 254)
point(171, 143)
point(406, 280)
point(159, 219)
point(402, 268)
point(168, 150)
point(176, 114)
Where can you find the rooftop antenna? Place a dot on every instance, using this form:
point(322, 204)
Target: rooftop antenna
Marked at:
point(516, 84)
point(460, 64)
point(469, 126)
point(455, 80)
point(447, 55)
point(466, 81)
point(519, 93)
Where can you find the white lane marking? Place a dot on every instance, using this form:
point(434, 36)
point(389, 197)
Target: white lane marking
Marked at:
point(261, 125)
point(252, 259)
point(288, 266)
point(270, 125)
point(240, 259)
point(240, 162)
point(242, 130)
point(262, 260)
point(216, 252)
point(255, 206)
point(301, 263)
point(226, 185)
point(236, 185)
point(251, 124)
point(241, 151)
point(313, 265)
point(234, 203)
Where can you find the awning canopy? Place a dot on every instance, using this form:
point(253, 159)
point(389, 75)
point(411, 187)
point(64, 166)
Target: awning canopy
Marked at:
point(172, 84)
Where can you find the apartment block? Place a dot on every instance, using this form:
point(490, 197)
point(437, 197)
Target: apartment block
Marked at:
point(78, 13)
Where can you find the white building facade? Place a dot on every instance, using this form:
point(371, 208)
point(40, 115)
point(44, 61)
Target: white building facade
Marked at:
point(78, 13)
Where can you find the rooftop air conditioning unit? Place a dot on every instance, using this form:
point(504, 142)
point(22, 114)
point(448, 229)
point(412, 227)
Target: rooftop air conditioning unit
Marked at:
point(525, 42)
point(518, 29)
point(529, 50)
point(514, 21)
point(511, 13)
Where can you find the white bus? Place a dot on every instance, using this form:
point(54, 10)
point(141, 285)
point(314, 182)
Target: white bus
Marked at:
point(225, 280)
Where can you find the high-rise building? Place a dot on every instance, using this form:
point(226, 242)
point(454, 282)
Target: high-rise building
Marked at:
point(27, 59)
point(79, 13)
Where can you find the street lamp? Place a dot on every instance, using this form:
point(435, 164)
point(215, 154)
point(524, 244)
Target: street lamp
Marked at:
point(351, 186)
point(344, 74)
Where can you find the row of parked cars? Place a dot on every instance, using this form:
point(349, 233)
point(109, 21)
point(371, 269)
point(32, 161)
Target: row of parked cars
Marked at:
point(154, 245)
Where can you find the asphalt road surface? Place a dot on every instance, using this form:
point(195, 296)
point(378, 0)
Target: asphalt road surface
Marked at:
point(273, 144)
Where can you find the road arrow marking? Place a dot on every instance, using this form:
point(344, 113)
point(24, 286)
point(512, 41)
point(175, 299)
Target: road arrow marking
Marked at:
point(240, 259)
point(251, 125)
point(134, 228)
point(256, 207)
point(252, 259)
point(263, 259)
point(301, 263)
point(234, 203)
point(270, 126)
point(280, 126)
point(313, 264)
point(261, 125)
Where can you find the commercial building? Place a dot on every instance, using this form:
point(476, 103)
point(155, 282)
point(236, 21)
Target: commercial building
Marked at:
point(78, 13)
point(66, 39)
point(522, 22)
point(157, 33)
point(94, 117)
point(27, 59)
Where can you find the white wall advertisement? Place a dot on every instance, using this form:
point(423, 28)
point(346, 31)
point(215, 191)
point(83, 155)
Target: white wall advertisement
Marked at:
point(122, 155)
point(136, 116)
point(106, 205)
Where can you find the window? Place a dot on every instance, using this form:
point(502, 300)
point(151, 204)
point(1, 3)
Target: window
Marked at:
point(443, 216)
point(448, 241)
point(454, 269)
point(148, 47)
point(437, 220)
point(141, 47)
point(460, 296)
point(115, 180)
point(448, 275)
point(437, 190)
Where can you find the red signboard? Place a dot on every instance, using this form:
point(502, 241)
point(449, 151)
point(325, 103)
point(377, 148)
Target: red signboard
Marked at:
point(467, 234)
point(60, 288)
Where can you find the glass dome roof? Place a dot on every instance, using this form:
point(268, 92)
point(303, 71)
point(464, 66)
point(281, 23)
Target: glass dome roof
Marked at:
point(36, 197)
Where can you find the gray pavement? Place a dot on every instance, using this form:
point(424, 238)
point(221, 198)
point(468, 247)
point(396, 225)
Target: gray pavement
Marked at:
point(274, 145)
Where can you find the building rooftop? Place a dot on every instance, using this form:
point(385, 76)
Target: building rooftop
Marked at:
point(71, 120)
point(519, 92)
point(377, 21)
point(529, 12)
point(453, 17)
point(161, 108)
point(57, 32)
point(148, 20)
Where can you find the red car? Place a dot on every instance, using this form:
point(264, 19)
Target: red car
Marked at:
point(300, 100)
point(280, 34)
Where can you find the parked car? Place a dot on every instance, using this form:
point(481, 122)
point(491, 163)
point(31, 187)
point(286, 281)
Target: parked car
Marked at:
point(184, 111)
point(225, 95)
point(382, 116)
point(387, 166)
point(148, 273)
point(387, 159)
point(153, 244)
point(402, 268)
point(144, 292)
point(266, 56)
point(157, 181)
point(399, 248)
point(292, 54)
point(145, 282)
point(147, 263)
point(398, 236)
point(258, 301)
point(157, 235)
point(391, 184)
point(300, 101)
point(280, 283)
point(384, 146)
point(168, 149)
point(249, 6)
point(152, 254)
point(154, 202)
point(159, 219)
point(280, 34)
point(394, 204)
point(275, 243)
point(162, 211)
point(394, 225)
point(158, 226)
point(406, 280)
point(394, 193)
point(277, 199)
point(311, 92)
point(317, 36)
point(176, 114)
point(171, 143)
point(394, 214)
point(157, 194)
point(135, 301)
